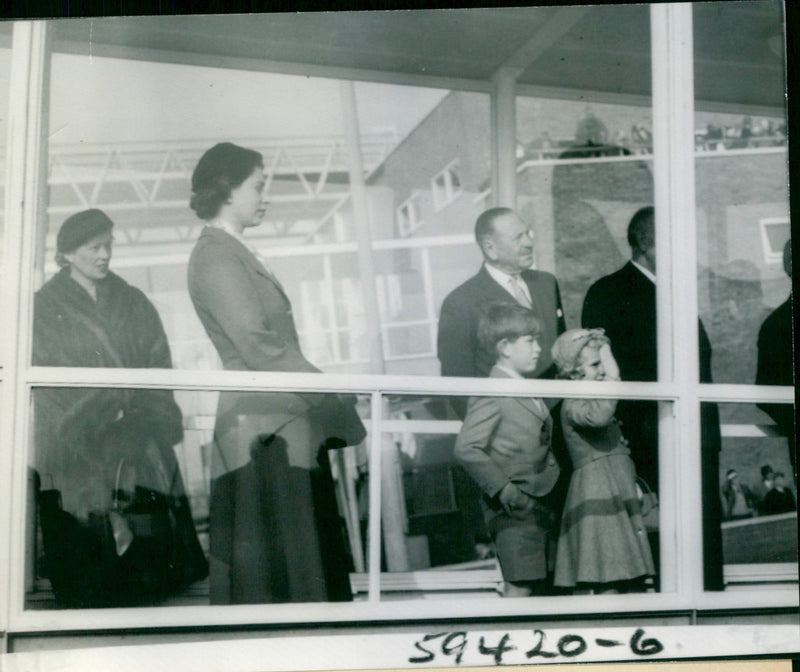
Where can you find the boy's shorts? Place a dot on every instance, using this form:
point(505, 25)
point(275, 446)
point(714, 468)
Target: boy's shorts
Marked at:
point(525, 546)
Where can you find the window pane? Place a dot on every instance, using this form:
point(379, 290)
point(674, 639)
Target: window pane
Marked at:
point(742, 196)
point(759, 497)
point(515, 499)
point(149, 498)
point(5, 71)
point(584, 167)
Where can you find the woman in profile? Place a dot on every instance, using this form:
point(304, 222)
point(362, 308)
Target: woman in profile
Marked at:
point(274, 529)
point(107, 454)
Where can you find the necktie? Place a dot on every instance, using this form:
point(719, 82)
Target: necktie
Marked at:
point(519, 293)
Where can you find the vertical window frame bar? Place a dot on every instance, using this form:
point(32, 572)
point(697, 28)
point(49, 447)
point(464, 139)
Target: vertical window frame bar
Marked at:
point(27, 147)
point(673, 165)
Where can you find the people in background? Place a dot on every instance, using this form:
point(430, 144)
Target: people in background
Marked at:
point(779, 499)
point(504, 445)
point(274, 531)
point(739, 501)
point(763, 487)
point(507, 245)
point(624, 304)
point(602, 544)
point(776, 360)
point(104, 453)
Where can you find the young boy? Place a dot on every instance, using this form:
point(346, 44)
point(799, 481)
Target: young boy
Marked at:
point(504, 445)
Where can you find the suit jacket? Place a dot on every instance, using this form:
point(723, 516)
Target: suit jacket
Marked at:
point(245, 312)
point(248, 318)
point(458, 348)
point(507, 439)
point(624, 304)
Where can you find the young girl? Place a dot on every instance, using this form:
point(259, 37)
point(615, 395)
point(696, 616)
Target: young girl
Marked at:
point(602, 544)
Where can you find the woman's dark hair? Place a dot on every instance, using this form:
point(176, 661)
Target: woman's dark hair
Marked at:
point(222, 168)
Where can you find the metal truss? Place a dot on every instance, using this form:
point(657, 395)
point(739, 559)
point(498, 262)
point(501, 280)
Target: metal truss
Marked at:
point(145, 187)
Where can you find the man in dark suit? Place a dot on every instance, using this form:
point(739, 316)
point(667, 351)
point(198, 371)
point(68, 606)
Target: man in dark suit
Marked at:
point(624, 304)
point(507, 246)
point(776, 360)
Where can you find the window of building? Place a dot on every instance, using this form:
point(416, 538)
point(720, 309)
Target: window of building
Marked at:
point(446, 186)
point(409, 217)
point(775, 232)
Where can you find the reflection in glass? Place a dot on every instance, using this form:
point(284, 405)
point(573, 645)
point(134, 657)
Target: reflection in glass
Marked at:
point(741, 186)
point(115, 521)
point(583, 172)
point(135, 491)
point(443, 520)
point(758, 491)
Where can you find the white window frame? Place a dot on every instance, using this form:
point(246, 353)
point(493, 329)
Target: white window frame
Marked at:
point(449, 189)
point(409, 217)
point(682, 587)
point(772, 256)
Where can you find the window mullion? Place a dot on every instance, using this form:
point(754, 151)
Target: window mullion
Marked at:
point(375, 498)
point(673, 111)
point(27, 138)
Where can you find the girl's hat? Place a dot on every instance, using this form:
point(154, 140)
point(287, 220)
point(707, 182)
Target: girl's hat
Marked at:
point(567, 348)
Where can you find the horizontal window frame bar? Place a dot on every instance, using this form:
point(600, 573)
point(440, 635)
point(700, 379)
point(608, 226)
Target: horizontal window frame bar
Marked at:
point(281, 381)
point(745, 394)
point(478, 607)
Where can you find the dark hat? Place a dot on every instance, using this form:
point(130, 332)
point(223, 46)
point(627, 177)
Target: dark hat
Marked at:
point(80, 227)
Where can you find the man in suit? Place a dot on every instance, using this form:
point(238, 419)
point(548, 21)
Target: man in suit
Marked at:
point(776, 360)
point(624, 304)
point(507, 246)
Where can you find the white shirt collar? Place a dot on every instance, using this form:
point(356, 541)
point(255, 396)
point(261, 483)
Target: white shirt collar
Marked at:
point(645, 271)
point(501, 277)
point(504, 280)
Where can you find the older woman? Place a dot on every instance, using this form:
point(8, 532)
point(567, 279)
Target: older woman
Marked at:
point(93, 445)
point(274, 529)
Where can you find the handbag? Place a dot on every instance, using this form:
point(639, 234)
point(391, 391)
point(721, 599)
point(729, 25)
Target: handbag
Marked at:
point(648, 502)
point(138, 550)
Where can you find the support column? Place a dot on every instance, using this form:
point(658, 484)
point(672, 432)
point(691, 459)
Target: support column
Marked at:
point(358, 197)
point(504, 137)
point(676, 270)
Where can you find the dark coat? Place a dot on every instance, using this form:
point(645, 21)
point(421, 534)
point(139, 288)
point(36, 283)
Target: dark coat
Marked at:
point(458, 348)
point(623, 303)
point(120, 329)
point(776, 367)
point(84, 438)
